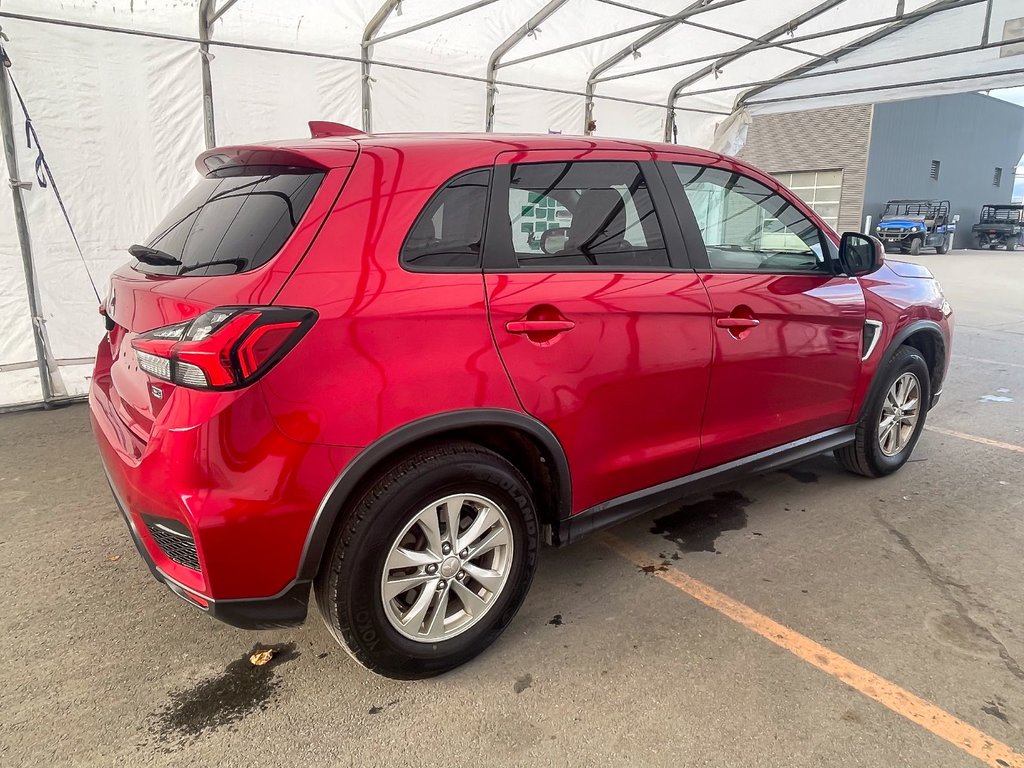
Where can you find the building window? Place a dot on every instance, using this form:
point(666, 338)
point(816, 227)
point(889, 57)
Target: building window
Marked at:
point(935, 170)
point(997, 178)
point(819, 189)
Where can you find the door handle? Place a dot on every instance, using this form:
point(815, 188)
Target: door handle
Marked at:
point(737, 323)
point(539, 326)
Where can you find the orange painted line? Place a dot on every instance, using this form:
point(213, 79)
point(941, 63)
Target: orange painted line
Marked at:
point(930, 717)
point(976, 439)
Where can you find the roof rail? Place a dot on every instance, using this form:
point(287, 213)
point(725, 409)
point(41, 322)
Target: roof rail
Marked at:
point(321, 129)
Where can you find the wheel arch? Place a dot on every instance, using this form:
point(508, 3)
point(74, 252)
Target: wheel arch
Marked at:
point(520, 438)
point(927, 338)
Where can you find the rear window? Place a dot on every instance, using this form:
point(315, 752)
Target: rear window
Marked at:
point(232, 221)
point(448, 232)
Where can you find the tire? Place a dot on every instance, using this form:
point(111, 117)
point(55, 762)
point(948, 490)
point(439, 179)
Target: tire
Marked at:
point(350, 588)
point(942, 247)
point(915, 246)
point(866, 455)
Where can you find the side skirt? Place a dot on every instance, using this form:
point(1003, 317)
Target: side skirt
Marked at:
point(631, 505)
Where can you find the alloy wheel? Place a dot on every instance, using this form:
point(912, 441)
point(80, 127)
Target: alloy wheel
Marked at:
point(445, 570)
point(900, 413)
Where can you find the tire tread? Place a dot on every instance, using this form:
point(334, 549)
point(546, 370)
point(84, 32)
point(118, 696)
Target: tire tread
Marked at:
point(360, 515)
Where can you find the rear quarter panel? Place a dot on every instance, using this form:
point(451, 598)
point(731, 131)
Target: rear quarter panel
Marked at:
point(390, 346)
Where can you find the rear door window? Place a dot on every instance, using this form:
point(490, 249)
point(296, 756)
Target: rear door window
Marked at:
point(583, 214)
point(233, 221)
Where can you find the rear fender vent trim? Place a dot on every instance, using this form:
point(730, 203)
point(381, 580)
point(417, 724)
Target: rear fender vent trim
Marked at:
point(872, 333)
point(174, 541)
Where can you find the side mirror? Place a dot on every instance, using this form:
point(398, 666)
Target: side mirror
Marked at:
point(860, 254)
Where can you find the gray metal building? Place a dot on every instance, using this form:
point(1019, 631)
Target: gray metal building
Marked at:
point(847, 161)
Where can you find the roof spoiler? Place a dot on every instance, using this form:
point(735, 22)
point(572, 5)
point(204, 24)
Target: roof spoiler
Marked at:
point(322, 129)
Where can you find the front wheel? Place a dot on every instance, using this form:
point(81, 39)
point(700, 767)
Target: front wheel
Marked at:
point(915, 246)
point(892, 420)
point(432, 563)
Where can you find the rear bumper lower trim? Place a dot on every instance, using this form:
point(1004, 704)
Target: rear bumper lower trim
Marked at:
point(287, 608)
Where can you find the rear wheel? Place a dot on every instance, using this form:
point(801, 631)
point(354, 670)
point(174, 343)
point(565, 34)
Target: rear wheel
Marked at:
point(432, 563)
point(943, 247)
point(893, 418)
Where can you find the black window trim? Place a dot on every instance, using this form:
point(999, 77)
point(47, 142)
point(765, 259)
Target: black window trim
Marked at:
point(483, 230)
point(695, 240)
point(502, 259)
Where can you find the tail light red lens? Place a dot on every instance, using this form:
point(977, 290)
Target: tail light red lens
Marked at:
point(225, 348)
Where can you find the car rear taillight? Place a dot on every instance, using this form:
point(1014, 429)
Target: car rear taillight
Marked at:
point(225, 348)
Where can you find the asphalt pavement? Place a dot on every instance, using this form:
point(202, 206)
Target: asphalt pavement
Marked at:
point(630, 649)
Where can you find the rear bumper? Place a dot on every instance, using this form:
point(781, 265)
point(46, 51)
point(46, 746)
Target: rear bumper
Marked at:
point(286, 609)
point(215, 471)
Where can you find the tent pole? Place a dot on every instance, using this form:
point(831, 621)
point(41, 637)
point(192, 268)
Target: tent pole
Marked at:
point(922, 13)
point(21, 224)
point(895, 86)
point(509, 43)
point(632, 49)
point(988, 22)
point(431, 22)
point(206, 11)
point(372, 28)
point(628, 31)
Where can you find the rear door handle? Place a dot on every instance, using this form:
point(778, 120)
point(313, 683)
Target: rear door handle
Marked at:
point(737, 323)
point(539, 326)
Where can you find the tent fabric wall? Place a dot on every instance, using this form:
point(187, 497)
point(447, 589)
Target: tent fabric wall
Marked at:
point(120, 113)
point(117, 117)
point(19, 379)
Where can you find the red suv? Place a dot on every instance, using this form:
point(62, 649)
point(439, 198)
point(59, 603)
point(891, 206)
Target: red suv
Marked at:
point(389, 367)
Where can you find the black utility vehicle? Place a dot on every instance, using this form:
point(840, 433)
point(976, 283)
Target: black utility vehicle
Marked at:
point(1000, 224)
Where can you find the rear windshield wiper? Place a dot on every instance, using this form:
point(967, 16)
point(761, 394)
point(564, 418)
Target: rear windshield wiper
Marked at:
point(153, 256)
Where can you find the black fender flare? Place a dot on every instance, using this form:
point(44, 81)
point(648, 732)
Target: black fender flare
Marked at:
point(916, 326)
point(372, 456)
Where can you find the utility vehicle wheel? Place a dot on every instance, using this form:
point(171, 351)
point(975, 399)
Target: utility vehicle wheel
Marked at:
point(915, 246)
point(943, 247)
point(431, 564)
point(893, 417)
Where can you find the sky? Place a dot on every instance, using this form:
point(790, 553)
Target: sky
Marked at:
point(1016, 95)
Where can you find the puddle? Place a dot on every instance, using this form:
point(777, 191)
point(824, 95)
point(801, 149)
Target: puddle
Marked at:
point(223, 700)
point(696, 527)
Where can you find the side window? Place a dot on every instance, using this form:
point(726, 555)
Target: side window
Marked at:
point(747, 227)
point(585, 213)
point(448, 231)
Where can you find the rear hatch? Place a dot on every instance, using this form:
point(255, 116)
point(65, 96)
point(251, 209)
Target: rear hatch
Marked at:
point(232, 240)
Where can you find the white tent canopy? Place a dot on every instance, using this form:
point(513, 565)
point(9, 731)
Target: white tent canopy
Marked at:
point(125, 93)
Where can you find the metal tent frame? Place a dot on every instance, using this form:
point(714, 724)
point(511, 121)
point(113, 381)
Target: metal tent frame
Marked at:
point(750, 93)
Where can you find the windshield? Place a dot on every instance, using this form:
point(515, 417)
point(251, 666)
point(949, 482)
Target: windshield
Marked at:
point(232, 221)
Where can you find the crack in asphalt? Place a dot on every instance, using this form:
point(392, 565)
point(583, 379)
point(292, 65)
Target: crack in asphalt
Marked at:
point(946, 586)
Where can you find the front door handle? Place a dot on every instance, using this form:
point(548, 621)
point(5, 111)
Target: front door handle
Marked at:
point(737, 323)
point(539, 326)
